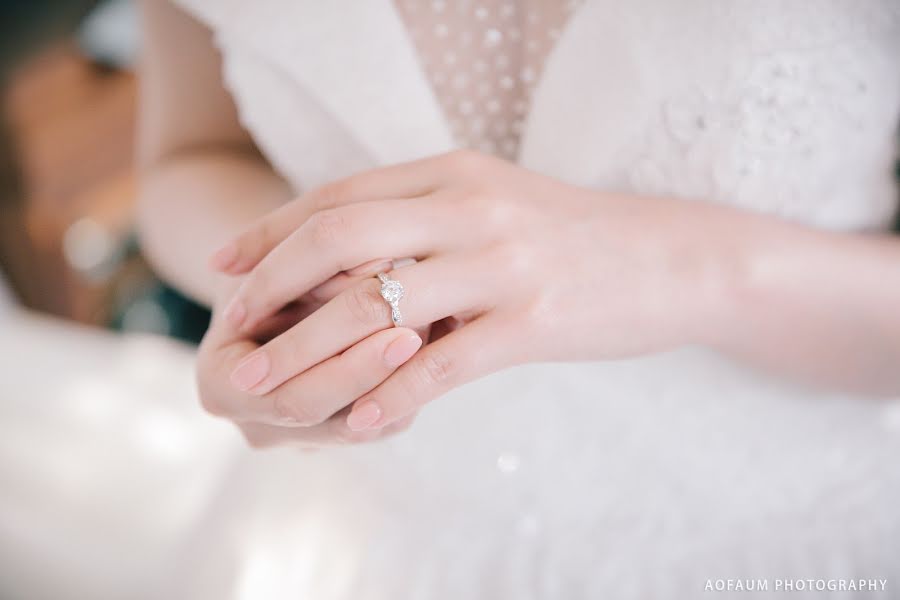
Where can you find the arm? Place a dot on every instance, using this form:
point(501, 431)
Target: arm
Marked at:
point(586, 276)
point(820, 306)
point(202, 179)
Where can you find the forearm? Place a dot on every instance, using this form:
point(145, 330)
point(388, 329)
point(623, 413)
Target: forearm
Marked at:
point(192, 203)
point(824, 307)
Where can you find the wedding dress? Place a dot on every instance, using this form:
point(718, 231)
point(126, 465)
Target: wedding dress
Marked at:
point(633, 479)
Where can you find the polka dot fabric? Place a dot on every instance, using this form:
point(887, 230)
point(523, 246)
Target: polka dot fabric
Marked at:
point(483, 59)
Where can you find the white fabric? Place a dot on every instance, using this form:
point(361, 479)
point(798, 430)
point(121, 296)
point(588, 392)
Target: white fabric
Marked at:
point(784, 108)
point(635, 479)
point(107, 461)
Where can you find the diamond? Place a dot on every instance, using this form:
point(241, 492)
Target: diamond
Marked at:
point(391, 291)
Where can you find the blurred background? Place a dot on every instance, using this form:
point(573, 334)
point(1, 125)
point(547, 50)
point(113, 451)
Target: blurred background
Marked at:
point(107, 463)
point(66, 169)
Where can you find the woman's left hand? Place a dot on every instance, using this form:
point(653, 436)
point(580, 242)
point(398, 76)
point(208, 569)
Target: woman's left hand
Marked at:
point(525, 267)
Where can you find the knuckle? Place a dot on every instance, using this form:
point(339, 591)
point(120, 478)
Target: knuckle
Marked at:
point(326, 227)
point(282, 409)
point(282, 412)
point(257, 241)
point(333, 194)
point(494, 208)
point(491, 203)
point(365, 304)
point(477, 200)
point(465, 161)
point(538, 313)
point(435, 368)
point(291, 410)
point(515, 258)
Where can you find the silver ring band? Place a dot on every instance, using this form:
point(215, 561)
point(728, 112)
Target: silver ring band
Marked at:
point(392, 292)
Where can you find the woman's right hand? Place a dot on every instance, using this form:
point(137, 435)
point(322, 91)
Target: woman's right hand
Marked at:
point(309, 411)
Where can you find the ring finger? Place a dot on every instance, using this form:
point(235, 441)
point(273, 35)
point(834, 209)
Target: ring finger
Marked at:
point(337, 239)
point(433, 290)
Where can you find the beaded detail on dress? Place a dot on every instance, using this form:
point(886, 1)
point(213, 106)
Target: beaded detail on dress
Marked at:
point(483, 59)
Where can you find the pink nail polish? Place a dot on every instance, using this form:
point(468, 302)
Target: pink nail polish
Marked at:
point(401, 349)
point(250, 372)
point(364, 415)
point(235, 313)
point(224, 257)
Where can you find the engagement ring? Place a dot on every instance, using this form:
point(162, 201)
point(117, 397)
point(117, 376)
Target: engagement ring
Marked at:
point(392, 291)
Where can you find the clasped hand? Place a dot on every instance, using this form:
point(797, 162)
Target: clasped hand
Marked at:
point(512, 267)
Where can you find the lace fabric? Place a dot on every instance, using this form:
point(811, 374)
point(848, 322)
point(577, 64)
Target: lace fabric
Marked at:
point(483, 59)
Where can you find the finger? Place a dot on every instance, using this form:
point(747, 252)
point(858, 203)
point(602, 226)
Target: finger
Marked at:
point(347, 279)
point(333, 432)
point(281, 321)
point(292, 313)
point(316, 394)
point(403, 181)
point(457, 358)
point(218, 356)
point(343, 281)
point(335, 240)
point(435, 288)
point(243, 252)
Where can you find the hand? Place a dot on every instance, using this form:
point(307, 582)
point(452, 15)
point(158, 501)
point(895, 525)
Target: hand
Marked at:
point(300, 412)
point(533, 269)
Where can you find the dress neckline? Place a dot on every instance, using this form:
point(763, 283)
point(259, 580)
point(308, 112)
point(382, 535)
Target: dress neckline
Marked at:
point(423, 79)
point(482, 61)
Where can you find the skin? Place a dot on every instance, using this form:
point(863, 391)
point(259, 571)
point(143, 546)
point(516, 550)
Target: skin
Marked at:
point(200, 170)
point(513, 267)
point(536, 270)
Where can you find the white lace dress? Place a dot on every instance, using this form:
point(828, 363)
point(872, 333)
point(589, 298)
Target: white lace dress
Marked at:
point(634, 479)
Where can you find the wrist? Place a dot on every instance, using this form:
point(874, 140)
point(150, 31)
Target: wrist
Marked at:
point(755, 259)
point(724, 287)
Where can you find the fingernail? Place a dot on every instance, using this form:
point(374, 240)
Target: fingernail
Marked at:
point(250, 371)
point(401, 350)
point(363, 415)
point(224, 257)
point(372, 267)
point(235, 313)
